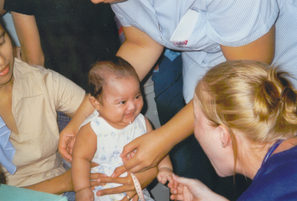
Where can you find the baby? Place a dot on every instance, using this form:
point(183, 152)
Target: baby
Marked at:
point(115, 89)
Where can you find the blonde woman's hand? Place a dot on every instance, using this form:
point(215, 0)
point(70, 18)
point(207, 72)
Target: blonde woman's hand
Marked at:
point(191, 190)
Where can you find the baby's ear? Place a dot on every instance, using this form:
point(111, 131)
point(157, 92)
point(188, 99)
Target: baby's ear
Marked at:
point(94, 102)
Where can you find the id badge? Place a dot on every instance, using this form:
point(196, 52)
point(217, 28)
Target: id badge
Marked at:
point(184, 29)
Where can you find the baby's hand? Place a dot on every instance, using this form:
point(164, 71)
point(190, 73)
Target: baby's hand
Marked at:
point(164, 175)
point(85, 194)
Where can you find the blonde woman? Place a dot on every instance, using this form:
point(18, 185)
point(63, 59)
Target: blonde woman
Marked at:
point(246, 122)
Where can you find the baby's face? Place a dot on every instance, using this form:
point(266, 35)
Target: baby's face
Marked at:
point(121, 101)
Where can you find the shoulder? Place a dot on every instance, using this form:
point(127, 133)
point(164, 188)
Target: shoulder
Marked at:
point(127, 11)
point(141, 118)
point(276, 179)
point(23, 71)
point(237, 23)
point(32, 80)
point(99, 125)
point(39, 74)
point(25, 68)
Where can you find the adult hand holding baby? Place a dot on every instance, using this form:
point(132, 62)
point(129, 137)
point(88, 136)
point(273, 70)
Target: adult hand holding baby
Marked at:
point(152, 147)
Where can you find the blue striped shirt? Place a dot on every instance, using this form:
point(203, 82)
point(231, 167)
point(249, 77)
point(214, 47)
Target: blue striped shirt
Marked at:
point(213, 23)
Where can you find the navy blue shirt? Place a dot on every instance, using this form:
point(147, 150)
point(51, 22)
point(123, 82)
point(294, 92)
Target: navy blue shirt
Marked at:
point(276, 179)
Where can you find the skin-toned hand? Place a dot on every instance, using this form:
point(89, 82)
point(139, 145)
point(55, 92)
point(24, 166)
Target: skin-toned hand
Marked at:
point(192, 190)
point(66, 143)
point(128, 186)
point(143, 159)
point(63, 183)
point(96, 177)
point(145, 178)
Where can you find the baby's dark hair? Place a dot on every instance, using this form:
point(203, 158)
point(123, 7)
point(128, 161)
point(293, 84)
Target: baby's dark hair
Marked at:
point(102, 71)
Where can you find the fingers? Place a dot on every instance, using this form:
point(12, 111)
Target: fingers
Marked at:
point(129, 148)
point(172, 183)
point(161, 179)
point(184, 181)
point(131, 154)
point(97, 176)
point(125, 199)
point(136, 197)
point(95, 183)
point(130, 157)
point(93, 164)
point(177, 189)
point(96, 179)
point(136, 165)
point(146, 156)
point(170, 179)
point(109, 191)
point(164, 178)
point(65, 155)
point(130, 196)
point(178, 194)
point(126, 181)
point(176, 197)
point(71, 145)
point(118, 171)
point(66, 144)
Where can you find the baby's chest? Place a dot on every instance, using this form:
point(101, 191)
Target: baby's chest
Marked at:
point(109, 148)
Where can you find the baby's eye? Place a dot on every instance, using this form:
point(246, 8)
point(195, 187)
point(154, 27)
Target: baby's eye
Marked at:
point(2, 40)
point(138, 96)
point(122, 102)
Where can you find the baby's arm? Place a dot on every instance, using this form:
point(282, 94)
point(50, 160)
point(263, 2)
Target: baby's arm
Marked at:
point(165, 167)
point(83, 153)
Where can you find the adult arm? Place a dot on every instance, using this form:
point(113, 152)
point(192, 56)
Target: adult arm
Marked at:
point(165, 169)
point(28, 34)
point(140, 50)
point(261, 49)
point(2, 11)
point(62, 183)
point(56, 185)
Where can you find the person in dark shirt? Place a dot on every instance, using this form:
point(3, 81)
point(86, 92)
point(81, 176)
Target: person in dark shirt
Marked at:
point(66, 36)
